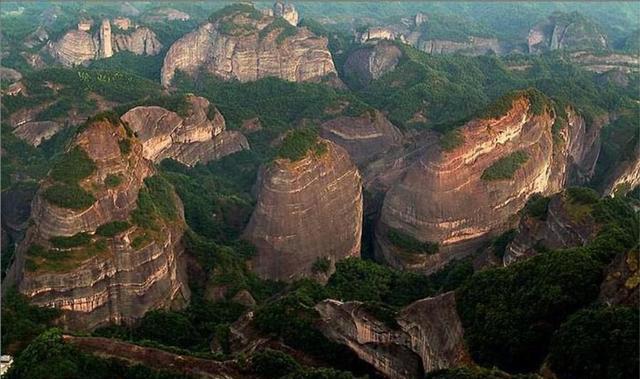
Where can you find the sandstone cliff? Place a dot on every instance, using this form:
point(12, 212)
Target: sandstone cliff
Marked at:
point(562, 226)
point(306, 210)
point(113, 257)
point(248, 45)
point(371, 62)
point(473, 46)
point(425, 336)
point(445, 198)
point(189, 140)
point(571, 31)
point(365, 137)
point(78, 47)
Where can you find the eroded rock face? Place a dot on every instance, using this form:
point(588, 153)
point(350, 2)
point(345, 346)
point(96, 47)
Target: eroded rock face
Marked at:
point(237, 46)
point(428, 335)
point(78, 47)
point(189, 140)
point(442, 198)
point(621, 285)
point(371, 62)
point(623, 63)
point(571, 31)
point(624, 178)
point(308, 209)
point(36, 132)
point(365, 137)
point(107, 278)
point(473, 46)
point(559, 229)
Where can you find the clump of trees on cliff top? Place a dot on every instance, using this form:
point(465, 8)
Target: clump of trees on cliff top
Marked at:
point(297, 144)
point(505, 167)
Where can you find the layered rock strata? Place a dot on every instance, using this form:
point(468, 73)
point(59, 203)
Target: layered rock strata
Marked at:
point(365, 137)
point(443, 197)
point(570, 31)
point(472, 46)
point(198, 137)
point(425, 336)
point(247, 47)
point(306, 210)
point(69, 261)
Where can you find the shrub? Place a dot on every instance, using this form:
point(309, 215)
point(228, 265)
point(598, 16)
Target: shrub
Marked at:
point(537, 206)
point(286, 30)
point(321, 265)
point(112, 180)
point(383, 313)
point(273, 364)
point(70, 196)
point(505, 167)
point(113, 228)
point(597, 343)
point(410, 244)
point(73, 166)
point(297, 143)
point(167, 327)
point(125, 146)
point(79, 239)
point(235, 8)
point(451, 140)
point(582, 195)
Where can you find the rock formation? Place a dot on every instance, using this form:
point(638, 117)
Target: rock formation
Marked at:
point(377, 33)
point(110, 261)
point(286, 11)
point(571, 31)
point(559, 228)
point(473, 46)
point(371, 62)
point(189, 140)
point(36, 132)
point(444, 197)
point(624, 177)
point(165, 14)
point(365, 137)
point(423, 337)
point(624, 63)
point(306, 210)
point(621, 285)
point(247, 45)
point(78, 47)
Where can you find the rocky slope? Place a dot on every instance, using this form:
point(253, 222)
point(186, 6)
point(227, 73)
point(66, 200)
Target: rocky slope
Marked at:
point(445, 198)
point(306, 210)
point(36, 132)
point(423, 337)
point(198, 137)
point(563, 226)
point(371, 62)
point(78, 47)
point(247, 45)
point(111, 258)
point(570, 31)
point(365, 137)
point(472, 46)
point(622, 281)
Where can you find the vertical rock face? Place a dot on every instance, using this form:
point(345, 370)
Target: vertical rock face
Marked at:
point(443, 197)
point(286, 11)
point(74, 48)
point(189, 140)
point(427, 335)
point(365, 137)
point(67, 261)
point(571, 31)
point(142, 41)
point(106, 51)
point(371, 62)
point(560, 228)
point(473, 46)
point(245, 46)
point(307, 209)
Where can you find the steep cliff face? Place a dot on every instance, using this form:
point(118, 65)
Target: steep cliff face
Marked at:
point(473, 46)
point(571, 31)
point(624, 63)
point(365, 137)
point(426, 335)
point(111, 257)
point(459, 198)
point(78, 47)
point(622, 281)
point(562, 226)
point(624, 178)
point(306, 210)
point(371, 62)
point(36, 132)
point(249, 46)
point(189, 140)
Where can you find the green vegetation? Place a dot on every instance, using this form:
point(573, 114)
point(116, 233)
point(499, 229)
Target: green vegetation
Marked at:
point(41, 260)
point(498, 108)
point(76, 240)
point(537, 206)
point(112, 229)
point(505, 167)
point(73, 167)
point(299, 142)
point(321, 265)
point(125, 146)
point(597, 343)
point(229, 10)
point(283, 26)
point(273, 364)
point(112, 180)
point(70, 196)
point(382, 312)
point(475, 373)
point(499, 244)
point(155, 200)
point(410, 244)
point(451, 139)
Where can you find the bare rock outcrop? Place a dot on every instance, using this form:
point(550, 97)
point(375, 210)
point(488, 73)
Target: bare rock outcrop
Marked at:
point(446, 198)
point(306, 210)
point(248, 45)
point(36, 132)
point(472, 46)
point(624, 177)
point(371, 62)
point(142, 41)
point(571, 31)
point(561, 227)
point(621, 285)
point(365, 137)
point(110, 261)
point(425, 336)
point(601, 63)
point(189, 140)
